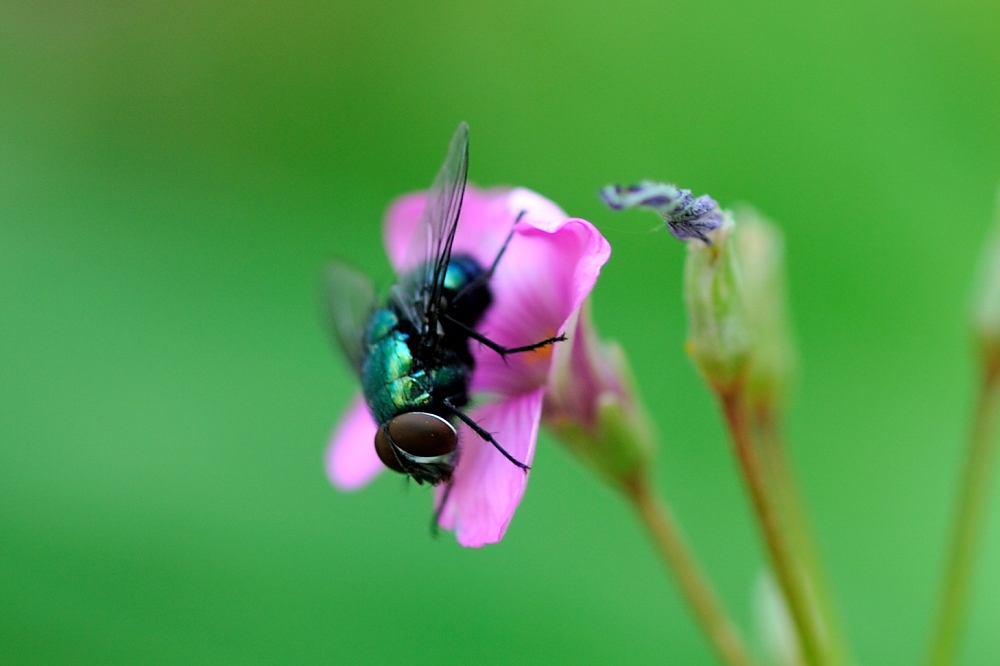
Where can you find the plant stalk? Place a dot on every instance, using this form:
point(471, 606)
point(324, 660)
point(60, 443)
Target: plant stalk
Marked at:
point(970, 515)
point(658, 520)
point(786, 569)
point(786, 494)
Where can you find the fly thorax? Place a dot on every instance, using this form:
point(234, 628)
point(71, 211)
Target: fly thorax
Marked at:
point(466, 290)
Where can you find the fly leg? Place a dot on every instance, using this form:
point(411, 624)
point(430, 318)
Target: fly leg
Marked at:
point(497, 347)
point(478, 429)
point(440, 508)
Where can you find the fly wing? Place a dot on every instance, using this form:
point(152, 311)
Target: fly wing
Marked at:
point(430, 249)
point(349, 299)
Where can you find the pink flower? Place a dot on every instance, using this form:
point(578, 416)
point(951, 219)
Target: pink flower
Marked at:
point(549, 268)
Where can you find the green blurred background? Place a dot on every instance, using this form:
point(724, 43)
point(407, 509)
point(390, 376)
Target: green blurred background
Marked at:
point(174, 174)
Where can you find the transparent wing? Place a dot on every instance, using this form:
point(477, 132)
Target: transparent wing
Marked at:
point(349, 300)
point(430, 249)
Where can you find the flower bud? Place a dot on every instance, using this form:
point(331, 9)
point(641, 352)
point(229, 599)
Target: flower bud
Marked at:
point(590, 403)
point(719, 339)
point(760, 250)
point(986, 306)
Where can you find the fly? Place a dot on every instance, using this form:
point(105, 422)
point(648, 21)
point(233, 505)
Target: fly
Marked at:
point(411, 350)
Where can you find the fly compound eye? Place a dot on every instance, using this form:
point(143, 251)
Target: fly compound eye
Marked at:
point(415, 438)
point(383, 447)
point(421, 435)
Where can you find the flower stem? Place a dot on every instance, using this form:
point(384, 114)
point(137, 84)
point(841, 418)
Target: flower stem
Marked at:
point(974, 494)
point(786, 568)
point(659, 522)
point(785, 489)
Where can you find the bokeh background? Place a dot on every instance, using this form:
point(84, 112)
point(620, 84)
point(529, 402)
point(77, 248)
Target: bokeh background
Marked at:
point(174, 175)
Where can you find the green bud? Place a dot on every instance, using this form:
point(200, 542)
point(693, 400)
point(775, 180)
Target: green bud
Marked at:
point(718, 334)
point(761, 252)
point(619, 446)
point(986, 306)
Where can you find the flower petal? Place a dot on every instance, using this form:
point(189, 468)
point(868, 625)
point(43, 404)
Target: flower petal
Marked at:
point(547, 272)
point(351, 461)
point(486, 219)
point(584, 368)
point(486, 487)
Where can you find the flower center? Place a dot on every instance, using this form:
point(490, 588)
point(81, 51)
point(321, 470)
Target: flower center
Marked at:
point(540, 356)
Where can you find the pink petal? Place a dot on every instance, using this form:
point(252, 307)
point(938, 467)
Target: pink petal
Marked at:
point(584, 371)
point(400, 221)
point(487, 487)
point(351, 461)
point(541, 281)
point(486, 219)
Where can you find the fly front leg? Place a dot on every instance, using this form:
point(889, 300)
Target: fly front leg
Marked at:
point(479, 430)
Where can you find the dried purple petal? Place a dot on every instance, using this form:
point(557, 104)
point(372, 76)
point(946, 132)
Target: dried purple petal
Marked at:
point(686, 217)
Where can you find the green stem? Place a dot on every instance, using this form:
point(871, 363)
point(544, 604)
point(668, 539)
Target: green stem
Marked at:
point(788, 573)
point(974, 494)
point(782, 480)
point(659, 522)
